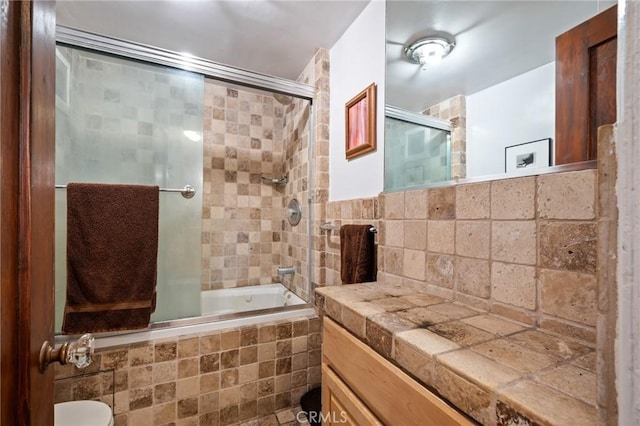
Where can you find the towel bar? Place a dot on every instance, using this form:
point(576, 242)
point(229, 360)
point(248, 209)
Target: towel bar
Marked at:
point(187, 192)
point(328, 226)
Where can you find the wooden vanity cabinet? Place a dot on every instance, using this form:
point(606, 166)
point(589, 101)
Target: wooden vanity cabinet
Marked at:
point(360, 387)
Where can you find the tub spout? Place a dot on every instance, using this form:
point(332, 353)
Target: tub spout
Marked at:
point(286, 270)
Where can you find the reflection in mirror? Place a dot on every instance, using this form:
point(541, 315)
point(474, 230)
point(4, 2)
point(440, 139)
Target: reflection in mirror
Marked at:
point(419, 149)
point(497, 87)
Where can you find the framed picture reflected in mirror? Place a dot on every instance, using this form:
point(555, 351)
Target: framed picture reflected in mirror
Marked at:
point(529, 155)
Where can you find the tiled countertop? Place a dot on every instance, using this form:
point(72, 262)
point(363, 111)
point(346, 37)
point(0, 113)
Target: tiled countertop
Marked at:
point(495, 370)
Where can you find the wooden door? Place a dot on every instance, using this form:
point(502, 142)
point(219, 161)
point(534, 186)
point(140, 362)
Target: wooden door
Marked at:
point(585, 86)
point(27, 129)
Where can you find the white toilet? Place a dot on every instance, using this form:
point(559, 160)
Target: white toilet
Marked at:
point(82, 413)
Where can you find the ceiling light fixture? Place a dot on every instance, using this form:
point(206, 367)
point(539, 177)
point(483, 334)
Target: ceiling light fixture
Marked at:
point(429, 51)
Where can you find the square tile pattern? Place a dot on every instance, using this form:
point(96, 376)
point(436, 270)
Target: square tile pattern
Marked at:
point(496, 370)
point(533, 262)
point(229, 377)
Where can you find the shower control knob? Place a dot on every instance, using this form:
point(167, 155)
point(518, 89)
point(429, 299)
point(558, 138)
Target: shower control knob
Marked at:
point(294, 212)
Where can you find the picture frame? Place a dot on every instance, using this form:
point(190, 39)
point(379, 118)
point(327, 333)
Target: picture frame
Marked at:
point(360, 123)
point(529, 155)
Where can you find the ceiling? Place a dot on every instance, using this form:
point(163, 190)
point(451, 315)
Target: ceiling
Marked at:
point(495, 41)
point(273, 37)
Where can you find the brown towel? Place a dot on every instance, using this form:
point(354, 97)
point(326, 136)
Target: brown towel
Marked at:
point(112, 248)
point(357, 254)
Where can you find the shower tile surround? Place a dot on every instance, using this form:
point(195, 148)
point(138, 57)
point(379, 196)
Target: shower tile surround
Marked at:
point(220, 378)
point(455, 110)
point(241, 215)
point(228, 377)
point(315, 159)
point(246, 235)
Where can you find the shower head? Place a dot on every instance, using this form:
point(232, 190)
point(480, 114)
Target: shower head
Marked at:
point(282, 99)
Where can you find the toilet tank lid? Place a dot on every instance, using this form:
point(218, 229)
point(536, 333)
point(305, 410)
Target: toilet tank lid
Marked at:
point(77, 413)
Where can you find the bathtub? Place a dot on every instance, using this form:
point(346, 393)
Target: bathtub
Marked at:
point(244, 299)
point(221, 309)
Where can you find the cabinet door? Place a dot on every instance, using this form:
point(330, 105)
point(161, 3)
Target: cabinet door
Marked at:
point(340, 406)
point(367, 384)
point(585, 86)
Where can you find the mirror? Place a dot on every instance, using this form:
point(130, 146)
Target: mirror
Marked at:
point(497, 85)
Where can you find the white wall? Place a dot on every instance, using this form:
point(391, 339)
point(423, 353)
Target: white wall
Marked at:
point(357, 60)
point(515, 111)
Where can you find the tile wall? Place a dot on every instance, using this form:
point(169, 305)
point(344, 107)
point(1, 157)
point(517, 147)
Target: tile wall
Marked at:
point(317, 189)
point(362, 211)
point(241, 215)
point(524, 248)
point(455, 110)
point(245, 232)
point(607, 223)
point(219, 378)
point(294, 251)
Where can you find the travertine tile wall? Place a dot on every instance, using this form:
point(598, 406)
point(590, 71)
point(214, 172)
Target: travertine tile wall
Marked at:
point(362, 211)
point(294, 249)
point(454, 109)
point(524, 248)
point(241, 215)
point(298, 163)
point(607, 213)
point(317, 75)
point(245, 232)
point(219, 378)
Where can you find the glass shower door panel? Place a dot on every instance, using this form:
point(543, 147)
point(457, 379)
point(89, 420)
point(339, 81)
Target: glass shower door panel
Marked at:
point(121, 121)
point(415, 155)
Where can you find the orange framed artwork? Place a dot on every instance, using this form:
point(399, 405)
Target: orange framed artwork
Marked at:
point(360, 123)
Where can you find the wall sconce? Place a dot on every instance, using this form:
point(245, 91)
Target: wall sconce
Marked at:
point(429, 51)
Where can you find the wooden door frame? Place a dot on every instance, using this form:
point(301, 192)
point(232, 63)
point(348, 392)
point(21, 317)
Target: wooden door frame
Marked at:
point(27, 164)
point(573, 129)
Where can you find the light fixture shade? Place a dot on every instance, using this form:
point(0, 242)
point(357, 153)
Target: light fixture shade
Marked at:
point(429, 50)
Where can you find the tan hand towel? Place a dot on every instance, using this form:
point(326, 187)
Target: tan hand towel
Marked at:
point(112, 248)
point(357, 254)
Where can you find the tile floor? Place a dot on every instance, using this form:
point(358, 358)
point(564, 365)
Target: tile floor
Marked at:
point(289, 417)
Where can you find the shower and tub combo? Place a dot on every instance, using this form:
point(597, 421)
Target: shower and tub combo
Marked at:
point(120, 120)
point(229, 254)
